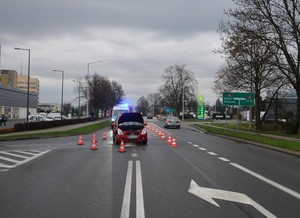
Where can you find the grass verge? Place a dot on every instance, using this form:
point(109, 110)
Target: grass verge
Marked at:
point(254, 137)
point(82, 130)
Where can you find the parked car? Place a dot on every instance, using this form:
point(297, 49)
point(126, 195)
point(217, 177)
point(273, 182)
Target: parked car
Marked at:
point(172, 122)
point(130, 127)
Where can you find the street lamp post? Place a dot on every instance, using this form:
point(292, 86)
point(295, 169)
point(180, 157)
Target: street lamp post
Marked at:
point(62, 91)
point(88, 88)
point(28, 81)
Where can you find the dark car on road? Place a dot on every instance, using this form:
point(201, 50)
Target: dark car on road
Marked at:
point(172, 122)
point(130, 127)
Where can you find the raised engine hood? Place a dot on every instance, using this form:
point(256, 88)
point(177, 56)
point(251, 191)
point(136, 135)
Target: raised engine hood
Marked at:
point(131, 117)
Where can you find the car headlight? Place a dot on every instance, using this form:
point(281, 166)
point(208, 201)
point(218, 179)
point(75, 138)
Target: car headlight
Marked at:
point(144, 131)
point(120, 132)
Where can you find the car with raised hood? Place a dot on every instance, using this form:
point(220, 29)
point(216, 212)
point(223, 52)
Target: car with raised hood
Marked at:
point(130, 127)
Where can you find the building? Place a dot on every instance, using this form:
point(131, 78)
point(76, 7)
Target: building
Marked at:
point(13, 94)
point(13, 102)
point(8, 78)
point(34, 84)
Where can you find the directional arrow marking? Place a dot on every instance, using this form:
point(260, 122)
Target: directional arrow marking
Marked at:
point(208, 194)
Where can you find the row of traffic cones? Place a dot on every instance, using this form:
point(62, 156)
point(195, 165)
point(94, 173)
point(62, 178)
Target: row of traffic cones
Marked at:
point(94, 142)
point(162, 136)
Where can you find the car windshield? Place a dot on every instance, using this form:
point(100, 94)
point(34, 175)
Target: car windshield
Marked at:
point(173, 118)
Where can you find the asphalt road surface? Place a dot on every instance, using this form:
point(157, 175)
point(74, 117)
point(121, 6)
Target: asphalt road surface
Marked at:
point(202, 176)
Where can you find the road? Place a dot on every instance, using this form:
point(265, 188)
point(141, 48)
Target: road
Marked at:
point(203, 176)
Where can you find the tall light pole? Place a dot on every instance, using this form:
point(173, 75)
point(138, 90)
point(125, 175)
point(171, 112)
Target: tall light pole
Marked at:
point(28, 81)
point(183, 103)
point(62, 91)
point(88, 88)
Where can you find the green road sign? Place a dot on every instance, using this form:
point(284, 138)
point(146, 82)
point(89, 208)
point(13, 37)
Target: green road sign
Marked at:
point(241, 99)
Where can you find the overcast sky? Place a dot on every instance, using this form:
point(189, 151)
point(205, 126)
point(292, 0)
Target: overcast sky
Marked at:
point(135, 39)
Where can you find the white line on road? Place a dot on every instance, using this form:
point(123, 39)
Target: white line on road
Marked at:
point(12, 154)
point(9, 159)
point(33, 157)
point(270, 182)
point(127, 191)
point(140, 212)
point(212, 153)
point(202, 149)
point(224, 159)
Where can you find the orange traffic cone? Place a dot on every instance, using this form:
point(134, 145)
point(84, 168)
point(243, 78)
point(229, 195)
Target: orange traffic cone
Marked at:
point(122, 147)
point(94, 147)
point(95, 137)
point(174, 143)
point(156, 131)
point(80, 140)
point(160, 133)
point(163, 136)
point(169, 140)
point(104, 136)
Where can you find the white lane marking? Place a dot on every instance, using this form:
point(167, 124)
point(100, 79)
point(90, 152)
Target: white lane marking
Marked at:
point(134, 155)
point(12, 154)
point(24, 152)
point(202, 149)
point(209, 194)
point(33, 157)
point(140, 212)
point(196, 146)
point(127, 191)
point(212, 153)
point(190, 143)
point(9, 159)
point(224, 159)
point(6, 166)
point(266, 180)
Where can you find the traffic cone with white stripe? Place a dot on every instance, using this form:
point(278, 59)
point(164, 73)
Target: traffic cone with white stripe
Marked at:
point(174, 143)
point(163, 136)
point(94, 147)
point(169, 140)
point(80, 142)
point(122, 147)
point(104, 136)
point(95, 137)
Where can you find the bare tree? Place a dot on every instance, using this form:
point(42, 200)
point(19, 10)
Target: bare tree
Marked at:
point(143, 105)
point(279, 20)
point(155, 102)
point(102, 93)
point(178, 81)
point(118, 93)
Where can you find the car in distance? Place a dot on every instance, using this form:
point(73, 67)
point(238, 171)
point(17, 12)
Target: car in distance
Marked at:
point(149, 116)
point(172, 122)
point(130, 127)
